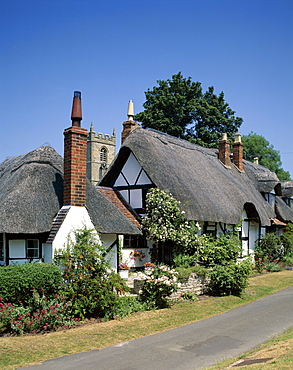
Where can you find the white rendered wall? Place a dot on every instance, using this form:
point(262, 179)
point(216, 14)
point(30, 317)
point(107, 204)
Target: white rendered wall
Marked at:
point(136, 263)
point(108, 240)
point(76, 218)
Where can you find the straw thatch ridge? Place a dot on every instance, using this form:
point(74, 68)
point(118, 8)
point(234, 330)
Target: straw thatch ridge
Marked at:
point(208, 190)
point(31, 194)
point(263, 179)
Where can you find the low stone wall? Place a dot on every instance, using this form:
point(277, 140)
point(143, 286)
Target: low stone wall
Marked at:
point(194, 284)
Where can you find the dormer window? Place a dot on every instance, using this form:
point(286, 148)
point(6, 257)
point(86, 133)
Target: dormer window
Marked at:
point(289, 202)
point(270, 197)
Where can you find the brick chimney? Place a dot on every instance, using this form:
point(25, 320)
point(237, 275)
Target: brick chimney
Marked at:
point(238, 152)
point(224, 151)
point(130, 124)
point(75, 144)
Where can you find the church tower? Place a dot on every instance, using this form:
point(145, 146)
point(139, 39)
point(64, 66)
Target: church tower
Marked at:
point(101, 151)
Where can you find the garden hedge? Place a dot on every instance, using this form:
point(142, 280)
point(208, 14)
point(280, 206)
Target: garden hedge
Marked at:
point(19, 281)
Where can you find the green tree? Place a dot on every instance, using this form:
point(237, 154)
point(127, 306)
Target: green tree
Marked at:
point(180, 108)
point(257, 146)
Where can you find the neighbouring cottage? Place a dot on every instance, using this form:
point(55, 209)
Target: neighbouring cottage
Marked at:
point(44, 198)
point(216, 188)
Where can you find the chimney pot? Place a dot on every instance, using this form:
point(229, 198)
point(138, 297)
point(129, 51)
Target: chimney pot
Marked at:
point(224, 136)
point(130, 124)
point(238, 138)
point(76, 115)
point(130, 111)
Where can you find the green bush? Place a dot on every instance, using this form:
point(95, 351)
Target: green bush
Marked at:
point(19, 281)
point(288, 261)
point(88, 281)
point(185, 272)
point(287, 240)
point(231, 279)
point(124, 306)
point(183, 260)
point(269, 249)
point(218, 251)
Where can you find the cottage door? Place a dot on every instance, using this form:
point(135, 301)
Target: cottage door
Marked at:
point(165, 252)
point(245, 238)
point(253, 235)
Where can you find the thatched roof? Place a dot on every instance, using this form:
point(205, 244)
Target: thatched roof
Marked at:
point(287, 189)
point(263, 179)
point(284, 213)
point(106, 216)
point(30, 191)
point(207, 189)
point(31, 194)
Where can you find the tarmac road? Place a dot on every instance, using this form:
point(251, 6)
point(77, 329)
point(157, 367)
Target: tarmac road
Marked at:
point(193, 346)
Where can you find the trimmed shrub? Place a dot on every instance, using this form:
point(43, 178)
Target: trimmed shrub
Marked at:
point(218, 251)
point(231, 279)
point(18, 282)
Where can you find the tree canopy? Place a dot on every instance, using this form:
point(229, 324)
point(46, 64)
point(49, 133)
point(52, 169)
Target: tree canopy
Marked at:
point(257, 146)
point(179, 107)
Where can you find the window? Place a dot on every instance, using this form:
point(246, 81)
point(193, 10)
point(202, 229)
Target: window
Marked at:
point(134, 241)
point(289, 201)
point(103, 155)
point(32, 248)
point(210, 228)
point(270, 197)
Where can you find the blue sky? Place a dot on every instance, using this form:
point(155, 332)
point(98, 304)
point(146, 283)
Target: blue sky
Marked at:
point(113, 51)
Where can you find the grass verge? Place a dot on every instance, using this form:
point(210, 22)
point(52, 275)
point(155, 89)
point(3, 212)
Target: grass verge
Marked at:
point(279, 350)
point(16, 352)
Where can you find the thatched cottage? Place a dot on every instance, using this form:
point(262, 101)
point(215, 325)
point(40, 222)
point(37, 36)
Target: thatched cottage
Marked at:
point(44, 198)
point(215, 187)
